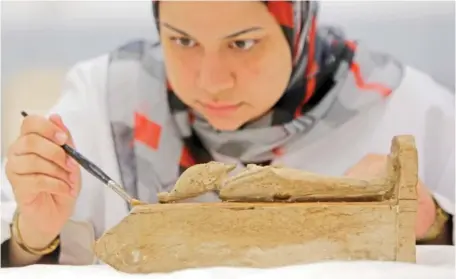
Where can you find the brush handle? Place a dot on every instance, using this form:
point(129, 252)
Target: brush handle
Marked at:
point(97, 172)
point(86, 164)
point(93, 169)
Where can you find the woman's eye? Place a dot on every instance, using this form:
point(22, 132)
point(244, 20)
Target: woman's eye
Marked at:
point(185, 42)
point(243, 44)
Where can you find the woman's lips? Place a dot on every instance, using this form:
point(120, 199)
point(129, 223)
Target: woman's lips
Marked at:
point(220, 108)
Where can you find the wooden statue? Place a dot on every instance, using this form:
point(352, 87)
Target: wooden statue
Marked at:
point(269, 217)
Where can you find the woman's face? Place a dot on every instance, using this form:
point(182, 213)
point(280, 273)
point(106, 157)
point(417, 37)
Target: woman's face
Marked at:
point(229, 61)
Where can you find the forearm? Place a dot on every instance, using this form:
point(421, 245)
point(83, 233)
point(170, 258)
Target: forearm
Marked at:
point(432, 222)
point(426, 211)
point(17, 256)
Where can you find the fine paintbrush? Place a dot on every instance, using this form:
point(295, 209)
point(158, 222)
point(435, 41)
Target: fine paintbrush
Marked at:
point(97, 172)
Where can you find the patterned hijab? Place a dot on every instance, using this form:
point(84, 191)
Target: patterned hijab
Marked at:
point(156, 137)
point(315, 60)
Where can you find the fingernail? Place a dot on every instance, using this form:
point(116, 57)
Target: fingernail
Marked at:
point(61, 137)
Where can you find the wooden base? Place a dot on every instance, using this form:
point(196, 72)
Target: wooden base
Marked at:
point(169, 237)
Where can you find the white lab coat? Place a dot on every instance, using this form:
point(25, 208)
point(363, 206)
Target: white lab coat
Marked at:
point(419, 106)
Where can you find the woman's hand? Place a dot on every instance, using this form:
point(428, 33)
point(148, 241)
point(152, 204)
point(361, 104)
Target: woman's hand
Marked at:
point(45, 180)
point(374, 165)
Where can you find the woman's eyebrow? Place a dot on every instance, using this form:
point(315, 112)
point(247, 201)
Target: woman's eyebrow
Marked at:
point(230, 36)
point(242, 32)
point(183, 33)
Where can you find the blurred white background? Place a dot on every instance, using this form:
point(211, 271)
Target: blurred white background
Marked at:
point(41, 39)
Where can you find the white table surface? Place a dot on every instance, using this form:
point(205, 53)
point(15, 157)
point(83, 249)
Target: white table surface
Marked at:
point(433, 262)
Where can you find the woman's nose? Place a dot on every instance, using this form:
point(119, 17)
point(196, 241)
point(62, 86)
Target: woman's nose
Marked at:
point(215, 76)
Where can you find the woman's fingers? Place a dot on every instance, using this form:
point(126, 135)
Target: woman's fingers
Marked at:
point(31, 163)
point(44, 148)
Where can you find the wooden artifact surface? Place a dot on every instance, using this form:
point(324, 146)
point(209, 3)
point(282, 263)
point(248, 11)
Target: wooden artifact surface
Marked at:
point(270, 217)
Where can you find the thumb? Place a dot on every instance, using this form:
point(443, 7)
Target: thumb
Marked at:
point(57, 120)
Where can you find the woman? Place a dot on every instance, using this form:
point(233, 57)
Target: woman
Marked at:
point(256, 83)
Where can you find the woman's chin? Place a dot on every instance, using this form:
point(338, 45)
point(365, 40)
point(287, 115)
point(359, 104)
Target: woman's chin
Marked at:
point(224, 124)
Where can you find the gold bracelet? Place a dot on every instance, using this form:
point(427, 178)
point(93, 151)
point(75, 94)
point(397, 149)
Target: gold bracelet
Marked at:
point(18, 239)
point(441, 217)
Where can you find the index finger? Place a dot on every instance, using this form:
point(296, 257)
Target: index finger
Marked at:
point(35, 124)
